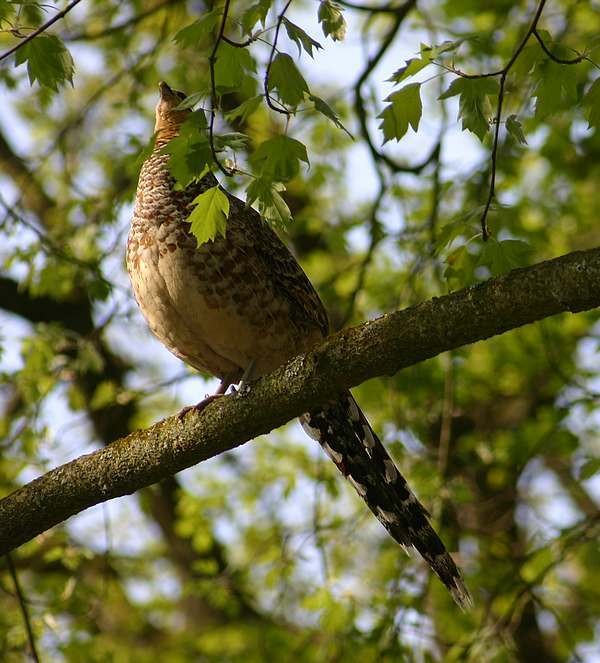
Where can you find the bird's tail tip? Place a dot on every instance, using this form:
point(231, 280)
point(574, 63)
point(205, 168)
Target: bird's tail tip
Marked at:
point(461, 594)
point(446, 570)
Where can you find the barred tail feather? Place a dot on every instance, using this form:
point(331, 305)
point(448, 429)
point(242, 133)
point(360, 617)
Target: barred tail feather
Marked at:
point(348, 439)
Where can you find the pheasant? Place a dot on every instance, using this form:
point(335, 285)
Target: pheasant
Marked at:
point(240, 306)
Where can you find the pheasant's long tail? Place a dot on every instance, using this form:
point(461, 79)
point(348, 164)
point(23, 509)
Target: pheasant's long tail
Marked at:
point(348, 439)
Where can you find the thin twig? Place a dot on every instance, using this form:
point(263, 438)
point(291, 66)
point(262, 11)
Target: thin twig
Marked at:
point(445, 436)
point(376, 235)
point(463, 74)
point(513, 57)
point(238, 44)
point(41, 29)
point(316, 524)
point(564, 628)
point(580, 56)
point(359, 107)
point(503, 73)
point(213, 94)
point(383, 9)
point(485, 231)
point(270, 104)
point(23, 606)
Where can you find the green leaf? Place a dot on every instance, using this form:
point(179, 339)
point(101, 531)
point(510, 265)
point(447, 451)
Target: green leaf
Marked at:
point(411, 67)
point(302, 39)
point(428, 54)
point(285, 78)
point(589, 468)
point(190, 152)
point(105, 394)
point(6, 10)
point(234, 140)
point(231, 66)
point(405, 109)
point(48, 61)
point(527, 61)
point(448, 234)
point(254, 14)
point(279, 158)
point(591, 104)
point(460, 267)
point(515, 129)
point(322, 107)
point(271, 205)
point(192, 100)
point(195, 34)
point(556, 88)
point(245, 109)
point(502, 256)
point(537, 564)
point(332, 20)
point(434, 52)
point(209, 216)
point(474, 106)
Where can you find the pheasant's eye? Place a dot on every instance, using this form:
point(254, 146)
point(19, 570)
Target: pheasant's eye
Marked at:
point(181, 95)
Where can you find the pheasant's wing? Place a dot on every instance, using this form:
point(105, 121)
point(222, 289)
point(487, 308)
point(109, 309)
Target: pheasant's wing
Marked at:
point(284, 272)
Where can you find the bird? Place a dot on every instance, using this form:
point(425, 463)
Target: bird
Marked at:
point(238, 307)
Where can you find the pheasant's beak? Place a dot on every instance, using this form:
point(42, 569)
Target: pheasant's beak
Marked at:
point(165, 91)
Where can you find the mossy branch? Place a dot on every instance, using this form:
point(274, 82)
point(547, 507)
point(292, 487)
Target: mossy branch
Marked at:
point(348, 358)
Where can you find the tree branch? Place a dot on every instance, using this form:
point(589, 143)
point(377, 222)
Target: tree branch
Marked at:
point(41, 29)
point(24, 609)
point(381, 347)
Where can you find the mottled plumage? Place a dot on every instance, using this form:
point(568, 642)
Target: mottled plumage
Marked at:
point(242, 301)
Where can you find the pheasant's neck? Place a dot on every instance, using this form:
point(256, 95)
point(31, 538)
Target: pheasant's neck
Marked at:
point(165, 134)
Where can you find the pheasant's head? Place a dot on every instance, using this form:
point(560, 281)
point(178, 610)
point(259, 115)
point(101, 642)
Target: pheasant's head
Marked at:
point(168, 120)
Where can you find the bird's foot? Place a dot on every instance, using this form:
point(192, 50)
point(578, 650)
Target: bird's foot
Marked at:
point(199, 407)
point(243, 389)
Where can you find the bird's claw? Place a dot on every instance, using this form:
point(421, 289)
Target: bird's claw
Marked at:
point(199, 407)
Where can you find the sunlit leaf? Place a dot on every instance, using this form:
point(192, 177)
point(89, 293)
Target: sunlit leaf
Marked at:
point(590, 468)
point(287, 81)
point(232, 65)
point(502, 256)
point(404, 110)
point(412, 67)
point(271, 205)
point(332, 20)
point(515, 129)
point(280, 157)
point(556, 88)
point(209, 216)
point(256, 13)
point(193, 35)
point(302, 39)
point(48, 61)
point(245, 109)
point(475, 109)
point(322, 107)
point(591, 104)
point(537, 564)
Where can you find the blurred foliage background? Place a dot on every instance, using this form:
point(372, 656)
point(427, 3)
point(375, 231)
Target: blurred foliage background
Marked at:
point(264, 553)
